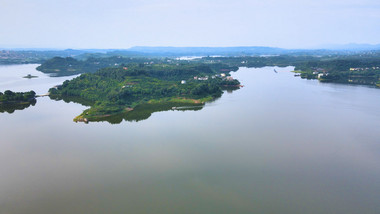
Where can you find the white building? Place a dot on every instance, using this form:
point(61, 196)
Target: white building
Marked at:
point(322, 75)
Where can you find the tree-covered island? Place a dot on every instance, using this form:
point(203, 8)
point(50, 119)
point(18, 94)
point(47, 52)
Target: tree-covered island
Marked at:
point(10, 97)
point(11, 101)
point(123, 90)
point(114, 85)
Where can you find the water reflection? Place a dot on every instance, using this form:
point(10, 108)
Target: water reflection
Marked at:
point(11, 108)
point(144, 111)
point(279, 145)
point(140, 112)
point(70, 99)
point(229, 90)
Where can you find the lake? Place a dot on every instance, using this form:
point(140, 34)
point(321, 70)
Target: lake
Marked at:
point(280, 144)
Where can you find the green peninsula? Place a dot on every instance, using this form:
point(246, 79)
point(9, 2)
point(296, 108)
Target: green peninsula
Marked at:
point(123, 90)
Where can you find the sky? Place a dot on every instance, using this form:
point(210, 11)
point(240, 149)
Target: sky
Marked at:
point(120, 24)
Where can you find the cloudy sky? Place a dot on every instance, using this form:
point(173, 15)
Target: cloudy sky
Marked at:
point(127, 23)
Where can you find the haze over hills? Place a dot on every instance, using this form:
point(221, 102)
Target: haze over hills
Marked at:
point(210, 50)
point(351, 46)
point(251, 50)
point(205, 49)
point(30, 55)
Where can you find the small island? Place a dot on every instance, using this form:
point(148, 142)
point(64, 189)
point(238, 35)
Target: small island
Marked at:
point(29, 76)
point(11, 101)
point(160, 87)
point(10, 97)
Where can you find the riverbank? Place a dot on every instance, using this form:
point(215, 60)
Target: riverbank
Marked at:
point(343, 79)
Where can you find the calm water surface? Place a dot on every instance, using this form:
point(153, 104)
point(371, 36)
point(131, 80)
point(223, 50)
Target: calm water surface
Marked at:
point(279, 145)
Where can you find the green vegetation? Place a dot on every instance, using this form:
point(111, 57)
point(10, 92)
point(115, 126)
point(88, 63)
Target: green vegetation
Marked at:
point(11, 101)
point(59, 66)
point(8, 57)
point(16, 97)
point(113, 83)
point(115, 91)
point(350, 70)
point(258, 61)
point(363, 68)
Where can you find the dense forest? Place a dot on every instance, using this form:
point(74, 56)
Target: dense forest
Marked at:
point(118, 90)
point(65, 66)
point(16, 97)
point(60, 66)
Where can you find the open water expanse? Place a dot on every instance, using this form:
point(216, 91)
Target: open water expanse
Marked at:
point(279, 145)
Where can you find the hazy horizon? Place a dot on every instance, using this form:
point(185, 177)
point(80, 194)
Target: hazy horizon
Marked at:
point(332, 47)
point(116, 24)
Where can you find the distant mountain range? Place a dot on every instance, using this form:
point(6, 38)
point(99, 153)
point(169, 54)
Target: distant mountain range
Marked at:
point(247, 50)
point(351, 46)
point(251, 50)
point(196, 51)
point(146, 51)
